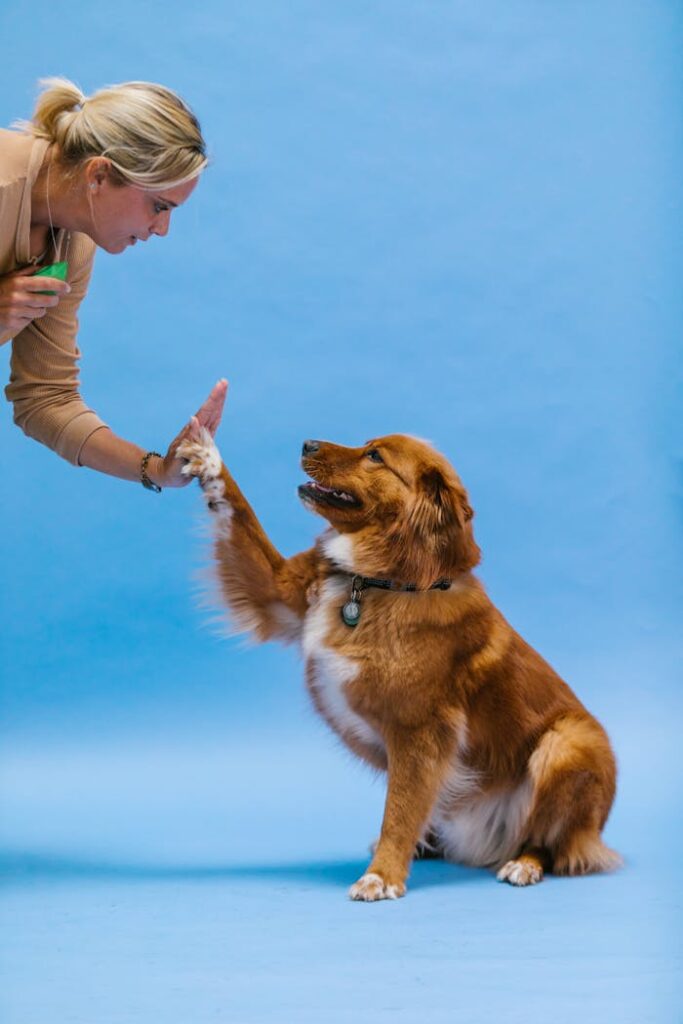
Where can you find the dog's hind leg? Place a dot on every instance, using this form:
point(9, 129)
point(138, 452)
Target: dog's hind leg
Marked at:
point(573, 773)
point(429, 847)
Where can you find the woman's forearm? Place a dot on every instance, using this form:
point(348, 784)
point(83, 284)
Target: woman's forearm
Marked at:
point(107, 453)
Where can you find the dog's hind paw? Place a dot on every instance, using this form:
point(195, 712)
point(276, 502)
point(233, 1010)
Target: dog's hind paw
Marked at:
point(371, 887)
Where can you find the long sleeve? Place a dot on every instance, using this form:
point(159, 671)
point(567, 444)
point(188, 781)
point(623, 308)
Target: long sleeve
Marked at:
point(44, 380)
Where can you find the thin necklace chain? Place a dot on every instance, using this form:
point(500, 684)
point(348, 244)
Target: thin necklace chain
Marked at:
point(49, 214)
point(49, 211)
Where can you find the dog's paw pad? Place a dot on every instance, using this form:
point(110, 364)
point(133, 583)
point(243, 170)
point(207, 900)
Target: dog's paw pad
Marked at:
point(371, 887)
point(520, 872)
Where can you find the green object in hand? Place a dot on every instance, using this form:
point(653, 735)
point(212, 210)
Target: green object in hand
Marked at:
point(58, 270)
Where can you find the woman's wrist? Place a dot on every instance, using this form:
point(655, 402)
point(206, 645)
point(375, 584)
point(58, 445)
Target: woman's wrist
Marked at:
point(155, 471)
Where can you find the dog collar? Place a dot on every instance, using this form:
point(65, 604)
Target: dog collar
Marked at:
point(350, 612)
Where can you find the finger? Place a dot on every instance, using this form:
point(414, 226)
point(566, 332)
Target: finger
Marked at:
point(216, 397)
point(212, 410)
point(33, 300)
point(18, 324)
point(43, 283)
point(23, 271)
point(219, 405)
point(204, 410)
point(29, 312)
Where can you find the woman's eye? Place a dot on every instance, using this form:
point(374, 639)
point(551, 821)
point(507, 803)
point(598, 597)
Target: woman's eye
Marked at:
point(160, 208)
point(374, 455)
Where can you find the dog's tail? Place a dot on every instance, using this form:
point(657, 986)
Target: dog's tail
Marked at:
point(584, 854)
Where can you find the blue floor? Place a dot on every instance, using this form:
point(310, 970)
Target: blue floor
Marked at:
point(194, 884)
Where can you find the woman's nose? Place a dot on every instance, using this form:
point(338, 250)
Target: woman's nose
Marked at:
point(161, 224)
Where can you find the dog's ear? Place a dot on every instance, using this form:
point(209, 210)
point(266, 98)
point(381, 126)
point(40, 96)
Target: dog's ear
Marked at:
point(434, 508)
point(441, 519)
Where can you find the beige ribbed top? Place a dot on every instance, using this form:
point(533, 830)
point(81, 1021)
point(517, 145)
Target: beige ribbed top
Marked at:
point(44, 367)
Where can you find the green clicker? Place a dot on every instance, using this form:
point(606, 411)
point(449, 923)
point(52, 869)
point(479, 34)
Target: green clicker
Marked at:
point(58, 270)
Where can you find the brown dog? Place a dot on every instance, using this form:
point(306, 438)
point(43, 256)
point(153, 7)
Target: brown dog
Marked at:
point(491, 759)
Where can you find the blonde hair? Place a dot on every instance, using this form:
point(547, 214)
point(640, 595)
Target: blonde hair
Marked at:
point(147, 132)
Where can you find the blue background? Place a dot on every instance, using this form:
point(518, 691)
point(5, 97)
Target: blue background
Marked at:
point(461, 221)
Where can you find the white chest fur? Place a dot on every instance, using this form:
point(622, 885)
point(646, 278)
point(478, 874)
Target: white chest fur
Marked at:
point(329, 672)
point(481, 830)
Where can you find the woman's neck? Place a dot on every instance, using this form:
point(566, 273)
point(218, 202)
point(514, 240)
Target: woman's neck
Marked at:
point(56, 199)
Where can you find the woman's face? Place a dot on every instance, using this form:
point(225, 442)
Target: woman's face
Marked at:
point(121, 215)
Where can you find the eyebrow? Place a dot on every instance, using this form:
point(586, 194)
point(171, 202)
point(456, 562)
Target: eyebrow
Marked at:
point(170, 202)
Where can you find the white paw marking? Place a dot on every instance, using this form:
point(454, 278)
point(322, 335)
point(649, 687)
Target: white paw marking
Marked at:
point(202, 456)
point(203, 460)
point(520, 872)
point(371, 887)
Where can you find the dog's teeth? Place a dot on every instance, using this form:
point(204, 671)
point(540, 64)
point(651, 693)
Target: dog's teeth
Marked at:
point(341, 495)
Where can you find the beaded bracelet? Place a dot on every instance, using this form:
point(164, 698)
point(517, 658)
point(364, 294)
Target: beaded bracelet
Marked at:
point(144, 479)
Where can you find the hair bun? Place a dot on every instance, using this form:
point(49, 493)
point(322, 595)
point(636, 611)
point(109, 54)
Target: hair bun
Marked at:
point(148, 134)
point(59, 96)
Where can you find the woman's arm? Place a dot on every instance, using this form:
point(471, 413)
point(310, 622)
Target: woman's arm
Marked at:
point(44, 389)
point(107, 453)
point(43, 385)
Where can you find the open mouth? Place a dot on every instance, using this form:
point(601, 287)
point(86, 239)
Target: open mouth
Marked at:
point(315, 492)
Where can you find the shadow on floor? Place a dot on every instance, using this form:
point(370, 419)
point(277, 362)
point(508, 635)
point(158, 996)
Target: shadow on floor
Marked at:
point(26, 868)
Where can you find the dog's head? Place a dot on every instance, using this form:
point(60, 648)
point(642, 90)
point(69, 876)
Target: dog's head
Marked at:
point(399, 505)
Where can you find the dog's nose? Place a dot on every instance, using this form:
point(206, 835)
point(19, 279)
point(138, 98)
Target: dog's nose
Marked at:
point(309, 447)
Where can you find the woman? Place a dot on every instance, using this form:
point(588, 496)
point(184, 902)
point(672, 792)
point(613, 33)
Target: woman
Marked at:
point(105, 170)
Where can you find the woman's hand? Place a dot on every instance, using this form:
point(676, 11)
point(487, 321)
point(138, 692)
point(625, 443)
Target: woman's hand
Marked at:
point(21, 301)
point(167, 473)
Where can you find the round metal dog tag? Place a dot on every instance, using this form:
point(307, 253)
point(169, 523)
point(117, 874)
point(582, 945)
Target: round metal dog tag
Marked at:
point(351, 613)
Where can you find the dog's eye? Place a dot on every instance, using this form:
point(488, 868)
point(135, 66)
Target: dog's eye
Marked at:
point(374, 455)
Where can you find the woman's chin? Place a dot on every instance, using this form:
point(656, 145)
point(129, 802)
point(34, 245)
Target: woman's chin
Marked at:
point(119, 246)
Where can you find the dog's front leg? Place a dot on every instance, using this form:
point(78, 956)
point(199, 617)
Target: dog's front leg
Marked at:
point(416, 764)
point(265, 592)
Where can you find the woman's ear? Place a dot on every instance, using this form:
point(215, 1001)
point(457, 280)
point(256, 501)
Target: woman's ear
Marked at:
point(98, 172)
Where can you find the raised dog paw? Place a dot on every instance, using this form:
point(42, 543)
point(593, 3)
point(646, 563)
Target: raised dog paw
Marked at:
point(371, 887)
point(201, 456)
point(524, 871)
point(203, 460)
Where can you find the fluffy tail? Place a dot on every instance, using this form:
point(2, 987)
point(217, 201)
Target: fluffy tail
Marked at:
point(585, 854)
